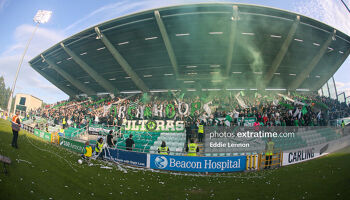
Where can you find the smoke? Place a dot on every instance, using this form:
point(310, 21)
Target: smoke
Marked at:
point(256, 64)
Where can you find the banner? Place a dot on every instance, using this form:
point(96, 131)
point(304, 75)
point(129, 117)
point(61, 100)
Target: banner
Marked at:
point(127, 157)
point(42, 134)
point(154, 125)
point(198, 164)
point(99, 130)
point(72, 145)
point(346, 121)
point(247, 121)
point(94, 130)
point(304, 154)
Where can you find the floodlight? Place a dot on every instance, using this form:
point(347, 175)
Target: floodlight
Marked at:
point(42, 16)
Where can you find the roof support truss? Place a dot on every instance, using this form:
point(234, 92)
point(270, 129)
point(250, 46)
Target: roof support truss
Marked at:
point(167, 42)
point(231, 45)
point(69, 78)
point(282, 52)
point(122, 62)
point(98, 78)
point(308, 69)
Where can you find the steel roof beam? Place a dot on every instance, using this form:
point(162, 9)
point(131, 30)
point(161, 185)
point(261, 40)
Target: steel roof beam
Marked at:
point(231, 43)
point(69, 78)
point(282, 52)
point(65, 89)
point(308, 69)
point(324, 79)
point(98, 78)
point(167, 42)
point(122, 62)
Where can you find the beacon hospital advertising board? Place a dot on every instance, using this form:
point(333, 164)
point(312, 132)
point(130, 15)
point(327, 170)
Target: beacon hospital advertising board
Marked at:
point(198, 164)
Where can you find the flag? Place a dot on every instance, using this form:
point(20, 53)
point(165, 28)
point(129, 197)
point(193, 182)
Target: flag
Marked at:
point(304, 110)
point(257, 95)
point(144, 98)
point(240, 101)
point(207, 108)
point(290, 107)
point(181, 96)
point(296, 112)
point(319, 115)
point(285, 97)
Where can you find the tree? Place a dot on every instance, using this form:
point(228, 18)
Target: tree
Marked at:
point(4, 93)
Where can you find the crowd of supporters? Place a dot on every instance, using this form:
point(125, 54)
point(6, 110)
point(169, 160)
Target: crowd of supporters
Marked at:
point(221, 109)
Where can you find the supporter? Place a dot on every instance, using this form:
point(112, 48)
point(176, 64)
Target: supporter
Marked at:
point(129, 143)
point(64, 122)
point(110, 140)
point(225, 109)
point(87, 151)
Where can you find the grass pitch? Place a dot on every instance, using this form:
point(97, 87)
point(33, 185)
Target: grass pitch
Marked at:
point(44, 171)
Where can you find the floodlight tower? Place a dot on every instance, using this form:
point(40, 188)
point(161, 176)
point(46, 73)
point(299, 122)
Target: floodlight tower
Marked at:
point(41, 17)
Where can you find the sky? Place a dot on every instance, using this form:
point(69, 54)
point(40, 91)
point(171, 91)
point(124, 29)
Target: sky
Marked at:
point(70, 17)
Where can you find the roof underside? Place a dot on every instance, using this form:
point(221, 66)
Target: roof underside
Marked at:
point(199, 36)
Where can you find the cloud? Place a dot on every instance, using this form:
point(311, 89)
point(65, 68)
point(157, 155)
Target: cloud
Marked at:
point(29, 81)
point(339, 84)
point(3, 4)
point(122, 8)
point(109, 11)
point(330, 12)
point(43, 39)
point(342, 86)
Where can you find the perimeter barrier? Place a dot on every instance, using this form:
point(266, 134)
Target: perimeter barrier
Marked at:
point(204, 163)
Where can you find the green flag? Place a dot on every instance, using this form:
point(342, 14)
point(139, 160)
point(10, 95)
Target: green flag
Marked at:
point(304, 110)
point(145, 98)
point(181, 96)
point(290, 107)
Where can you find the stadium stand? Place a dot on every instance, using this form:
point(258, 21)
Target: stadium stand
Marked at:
point(269, 110)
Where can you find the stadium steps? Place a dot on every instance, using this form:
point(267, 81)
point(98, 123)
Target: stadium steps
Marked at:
point(175, 142)
point(143, 140)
